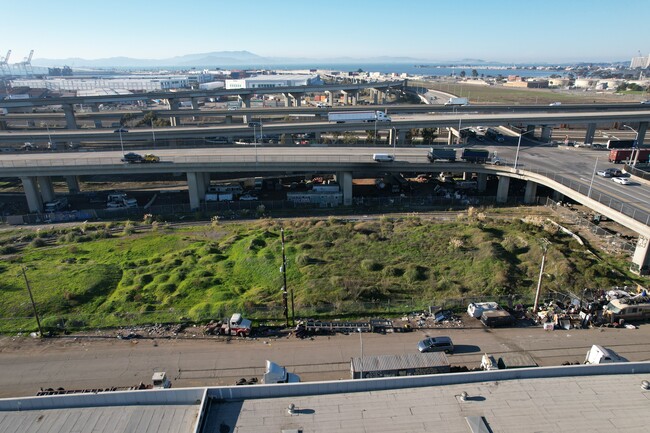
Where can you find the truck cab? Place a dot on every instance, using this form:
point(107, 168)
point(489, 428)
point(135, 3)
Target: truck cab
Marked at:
point(237, 325)
point(602, 355)
point(160, 380)
point(56, 205)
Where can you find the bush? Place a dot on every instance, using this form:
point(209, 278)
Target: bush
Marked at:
point(371, 265)
point(416, 273)
point(38, 243)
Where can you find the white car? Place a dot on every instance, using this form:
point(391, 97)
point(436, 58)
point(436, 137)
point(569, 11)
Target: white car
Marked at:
point(621, 180)
point(554, 104)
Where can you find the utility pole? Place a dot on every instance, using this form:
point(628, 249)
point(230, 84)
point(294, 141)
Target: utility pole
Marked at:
point(541, 274)
point(285, 305)
point(29, 290)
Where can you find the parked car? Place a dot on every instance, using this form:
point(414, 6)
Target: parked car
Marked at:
point(621, 180)
point(554, 104)
point(150, 157)
point(436, 344)
point(122, 130)
point(247, 197)
point(646, 102)
point(132, 157)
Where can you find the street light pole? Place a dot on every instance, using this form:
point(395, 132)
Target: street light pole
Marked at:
point(361, 359)
point(635, 146)
point(518, 146)
point(592, 178)
point(31, 297)
point(121, 141)
point(153, 134)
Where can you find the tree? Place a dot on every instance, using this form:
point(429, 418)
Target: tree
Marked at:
point(428, 135)
point(462, 73)
point(474, 73)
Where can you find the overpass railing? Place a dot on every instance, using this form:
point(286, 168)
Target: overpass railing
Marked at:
point(604, 199)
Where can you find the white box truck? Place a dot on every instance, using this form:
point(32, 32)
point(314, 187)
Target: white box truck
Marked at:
point(457, 101)
point(357, 116)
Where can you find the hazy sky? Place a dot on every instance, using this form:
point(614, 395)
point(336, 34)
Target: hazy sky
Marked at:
point(493, 30)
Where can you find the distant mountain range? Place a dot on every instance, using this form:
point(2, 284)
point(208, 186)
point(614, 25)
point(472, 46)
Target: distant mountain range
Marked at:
point(214, 59)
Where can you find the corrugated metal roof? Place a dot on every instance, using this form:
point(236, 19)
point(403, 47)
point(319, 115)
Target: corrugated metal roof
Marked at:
point(400, 362)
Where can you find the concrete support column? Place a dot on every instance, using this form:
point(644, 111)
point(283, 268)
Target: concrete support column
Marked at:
point(195, 103)
point(558, 196)
point(174, 104)
point(287, 100)
point(467, 175)
point(73, 184)
point(643, 128)
point(531, 192)
point(317, 136)
point(330, 97)
point(297, 99)
point(641, 258)
point(47, 190)
point(591, 131)
point(528, 132)
point(450, 137)
point(30, 186)
point(246, 103)
point(70, 121)
point(482, 182)
point(502, 191)
point(346, 97)
point(3, 125)
point(193, 183)
point(354, 96)
point(203, 182)
point(95, 109)
point(383, 97)
point(344, 179)
point(547, 134)
point(375, 96)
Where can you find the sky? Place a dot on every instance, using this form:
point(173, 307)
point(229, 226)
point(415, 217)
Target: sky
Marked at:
point(512, 31)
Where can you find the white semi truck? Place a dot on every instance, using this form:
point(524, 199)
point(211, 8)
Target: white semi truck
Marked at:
point(357, 116)
point(457, 101)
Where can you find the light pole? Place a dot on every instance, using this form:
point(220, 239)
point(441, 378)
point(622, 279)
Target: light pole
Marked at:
point(121, 141)
point(519, 145)
point(31, 297)
point(361, 359)
point(635, 146)
point(153, 134)
point(592, 178)
point(394, 141)
point(49, 138)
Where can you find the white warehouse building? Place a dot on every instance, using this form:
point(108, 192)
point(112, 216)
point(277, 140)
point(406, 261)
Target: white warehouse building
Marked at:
point(271, 81)
point(131, 84)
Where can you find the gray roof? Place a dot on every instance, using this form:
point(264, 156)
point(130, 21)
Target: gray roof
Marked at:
point(400, 362)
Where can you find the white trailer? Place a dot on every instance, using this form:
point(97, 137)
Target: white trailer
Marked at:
point(457, 101)
point(357, 116)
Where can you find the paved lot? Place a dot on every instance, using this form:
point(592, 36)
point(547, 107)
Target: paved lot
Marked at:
point(28, 365)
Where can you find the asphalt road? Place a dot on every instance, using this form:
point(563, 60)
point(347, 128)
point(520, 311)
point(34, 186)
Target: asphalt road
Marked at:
point(72, 363)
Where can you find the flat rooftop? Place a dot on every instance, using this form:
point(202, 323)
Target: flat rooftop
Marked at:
point(107, 419)
point(563, 404)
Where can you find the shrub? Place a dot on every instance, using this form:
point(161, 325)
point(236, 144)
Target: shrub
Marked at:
point(371, 265)
point(38, 243)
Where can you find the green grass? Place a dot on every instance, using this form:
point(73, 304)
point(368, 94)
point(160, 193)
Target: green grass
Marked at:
point(86, 280)
point(515, 96)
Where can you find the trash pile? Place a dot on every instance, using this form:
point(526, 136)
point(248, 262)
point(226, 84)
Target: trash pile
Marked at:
point(596, 308)
point(436, 317)
point(151, 331)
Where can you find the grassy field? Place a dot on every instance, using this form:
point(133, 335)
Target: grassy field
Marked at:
point(504, 95)
point(90, 276)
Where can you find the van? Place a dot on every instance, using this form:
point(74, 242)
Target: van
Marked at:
point(383, 157)
point(602, 355)
point(493, 318)
point(618, 309)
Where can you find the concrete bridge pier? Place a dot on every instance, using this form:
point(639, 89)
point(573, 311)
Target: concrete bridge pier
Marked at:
point(73, 184)
point(3, 125)
point(558, 196)
point(296, 99)
point(344, 178)
point(47, 190)
point(530, 131)
point(482, 182)
point(95, 109)
point(30, 186)
point(591, 131)
point(174, 104)
point(330, 97)
point(531, 192)
point(502, 190)
point(375, 96)
point(194, 185)
point(246, 103)
point(354, 96)
point(317, 136)
point(70, 120)
point(547, 134)
point(643, 128)
point(641, 257)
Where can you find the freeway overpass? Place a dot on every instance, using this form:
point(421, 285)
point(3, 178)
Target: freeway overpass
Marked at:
point(400, 124)
point(565, 171)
